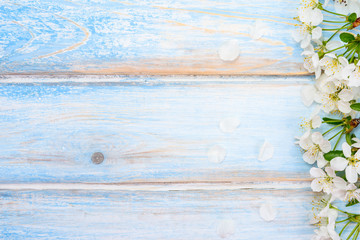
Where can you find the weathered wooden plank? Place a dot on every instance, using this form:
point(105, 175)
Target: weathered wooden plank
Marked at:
point(148, 215)
point(146, 37)
point(149, 130)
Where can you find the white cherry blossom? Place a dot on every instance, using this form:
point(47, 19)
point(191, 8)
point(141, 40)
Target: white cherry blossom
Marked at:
point(315, 145)
point(309, 12)
point(333, 99)
point(321, 234)
point(324, 213)
point(314, 121)
point(325, 181)
point(351, 163)
point(321, 210)
point(332, 216)
point(337, 86)
point(312, 62)
point(333, 65)
point(357, 142)
point(351, 192)
point(305, 33)
point(352, 73)
point(327, 229)
point(347, 7)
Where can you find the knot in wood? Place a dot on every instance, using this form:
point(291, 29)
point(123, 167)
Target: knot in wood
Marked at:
point(97, 158)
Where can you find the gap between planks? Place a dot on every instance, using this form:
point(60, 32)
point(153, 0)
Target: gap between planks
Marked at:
point(155, 186)
point(153, 80)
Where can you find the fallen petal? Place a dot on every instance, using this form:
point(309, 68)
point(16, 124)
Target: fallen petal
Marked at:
point(308, 95)
point(266, 151)
point(267, 212)
point(226, 228)
point(216, 154)
point(229, 125)
point(229, 51)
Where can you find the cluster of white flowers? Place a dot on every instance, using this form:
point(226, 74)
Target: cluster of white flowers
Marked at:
point(333, 56)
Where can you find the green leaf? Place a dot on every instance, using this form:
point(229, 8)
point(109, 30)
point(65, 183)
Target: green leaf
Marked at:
point(349, 138)
point(352, 202)
point(347, 37)
point(352, 17)
point(332, 121)
point(333, 154)
point(355, 106)
point(341, 174)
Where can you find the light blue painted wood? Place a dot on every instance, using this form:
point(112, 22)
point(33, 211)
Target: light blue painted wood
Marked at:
point(152, 215)
point(146, 36)
point(149, 129)
point(154, 132)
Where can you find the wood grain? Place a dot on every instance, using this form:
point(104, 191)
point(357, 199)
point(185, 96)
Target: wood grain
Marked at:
point(152, 215)
point(150, 130)
point(154, 37)
point(155, 132)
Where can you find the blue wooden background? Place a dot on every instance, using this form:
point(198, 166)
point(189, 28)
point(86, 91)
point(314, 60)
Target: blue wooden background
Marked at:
point(146, 36)
point(79, 77)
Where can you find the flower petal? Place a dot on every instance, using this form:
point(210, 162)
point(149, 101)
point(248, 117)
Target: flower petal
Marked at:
point(339, 163)
point(358, 168)
point(346, 95)
point(216, 154)
point(330, 172)
point(325, 146)
point(317, 137)
point(298, 34)
point(229, 125)
point(333, 45)
point(333, 234)
point(229, 51)
point(344, 107)
point(339, 183)
point(306, 41)
point(266, 151)
point(316, 17)
point(226, 228)
point(315, 59)
point(305, 141)
point(316, 185)
point(332, 216)
point(346, 149)
point(339, 194)
point(351, 187)
point(316, 121)
point(267, 212)
point(351, 174)
point(343, 61)
point(317, 172)
point(357, 154)
point(316, 33)
point(309, 158)
point(321, 162)
point(308, 95)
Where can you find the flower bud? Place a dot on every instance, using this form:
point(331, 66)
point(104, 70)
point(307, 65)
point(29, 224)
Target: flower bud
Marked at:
point(353, 124)
point(356, 23)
